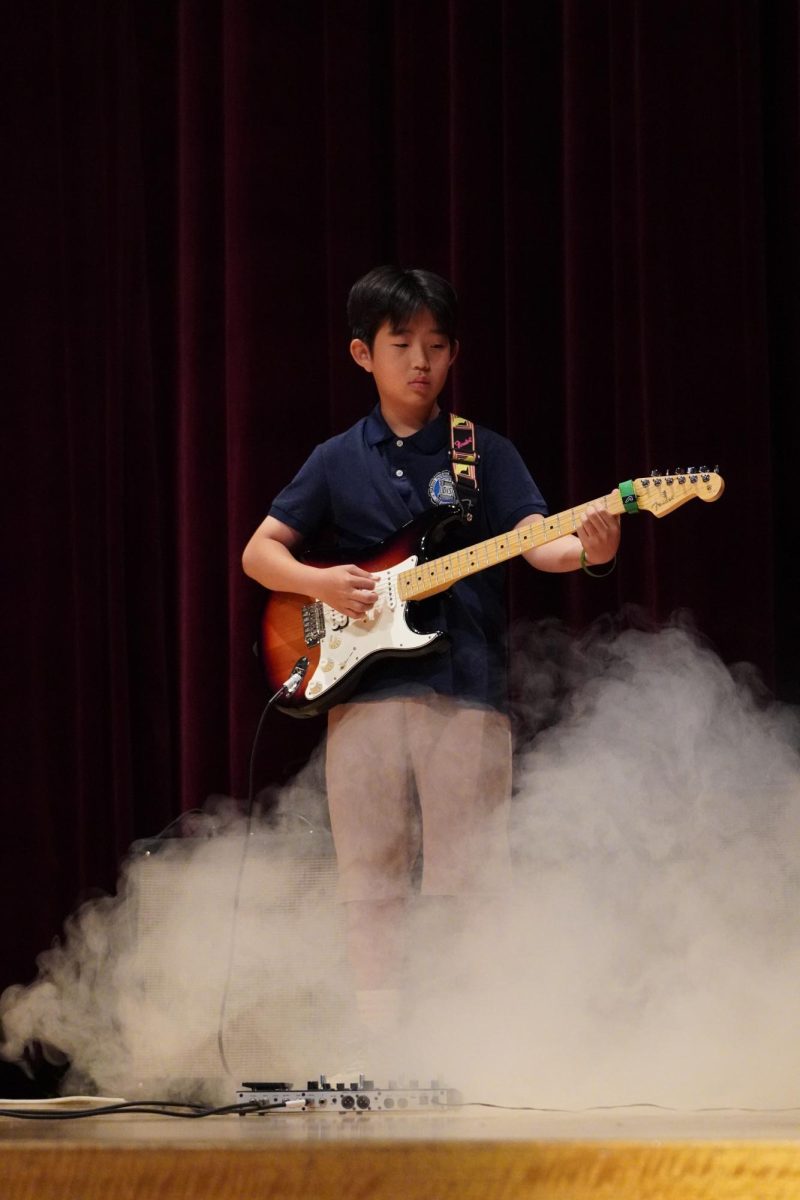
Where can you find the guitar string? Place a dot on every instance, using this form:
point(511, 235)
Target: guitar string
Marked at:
point(493, 551)
point(449, 568)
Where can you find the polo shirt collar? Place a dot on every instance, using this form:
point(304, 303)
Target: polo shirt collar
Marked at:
point(427, 440)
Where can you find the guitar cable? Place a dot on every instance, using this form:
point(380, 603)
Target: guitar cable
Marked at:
point(287, 688)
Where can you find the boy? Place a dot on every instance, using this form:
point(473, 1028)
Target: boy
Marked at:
point(435, 723)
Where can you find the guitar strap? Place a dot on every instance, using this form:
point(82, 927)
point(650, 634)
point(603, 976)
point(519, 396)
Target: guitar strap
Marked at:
point(464, 459)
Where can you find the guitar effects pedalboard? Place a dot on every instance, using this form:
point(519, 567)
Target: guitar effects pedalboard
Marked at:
point(359, 1096)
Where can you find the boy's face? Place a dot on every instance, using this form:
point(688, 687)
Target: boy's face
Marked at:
point(409, 364)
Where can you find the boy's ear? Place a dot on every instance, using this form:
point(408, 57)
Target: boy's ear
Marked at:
point(361, 353)
point(454, 349)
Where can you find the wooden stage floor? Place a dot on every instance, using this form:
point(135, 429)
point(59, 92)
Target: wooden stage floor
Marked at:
point(465, 1153)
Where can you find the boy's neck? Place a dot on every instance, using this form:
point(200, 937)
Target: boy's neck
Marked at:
point(404, 421)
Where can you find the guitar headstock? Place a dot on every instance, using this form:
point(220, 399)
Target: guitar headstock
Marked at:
point(661, 492)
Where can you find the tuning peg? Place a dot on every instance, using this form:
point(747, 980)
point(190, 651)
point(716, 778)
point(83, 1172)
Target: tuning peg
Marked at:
point(655, 473)
point(703, 470)
point(679, 471)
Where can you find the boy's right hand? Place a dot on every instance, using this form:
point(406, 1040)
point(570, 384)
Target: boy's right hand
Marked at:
point(348, 589)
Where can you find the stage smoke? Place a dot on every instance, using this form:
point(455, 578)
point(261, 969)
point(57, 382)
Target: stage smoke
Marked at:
point(648, 952)
point(215, 962)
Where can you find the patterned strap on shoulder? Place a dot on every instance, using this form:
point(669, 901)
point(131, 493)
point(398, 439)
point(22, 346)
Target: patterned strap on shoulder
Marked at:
point(464, 458)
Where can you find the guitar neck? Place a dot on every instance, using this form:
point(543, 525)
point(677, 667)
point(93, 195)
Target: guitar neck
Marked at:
point(438, 574)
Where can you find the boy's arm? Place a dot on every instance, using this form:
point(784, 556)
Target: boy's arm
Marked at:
point(598, 534)
point(269, 559)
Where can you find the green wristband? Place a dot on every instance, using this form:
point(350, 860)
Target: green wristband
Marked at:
point(628, 493)
point(597, 574)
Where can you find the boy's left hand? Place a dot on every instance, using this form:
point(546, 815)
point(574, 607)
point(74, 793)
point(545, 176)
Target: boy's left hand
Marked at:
point(599, 535)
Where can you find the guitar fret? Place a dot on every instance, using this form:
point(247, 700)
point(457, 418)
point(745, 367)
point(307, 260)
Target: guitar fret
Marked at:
point(438, 574)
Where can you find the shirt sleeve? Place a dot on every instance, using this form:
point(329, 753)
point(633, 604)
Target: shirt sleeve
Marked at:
point(304, 504)
point(507, 487)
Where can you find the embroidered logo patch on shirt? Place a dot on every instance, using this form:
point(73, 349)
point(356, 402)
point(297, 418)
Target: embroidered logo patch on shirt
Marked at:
point(441, 488)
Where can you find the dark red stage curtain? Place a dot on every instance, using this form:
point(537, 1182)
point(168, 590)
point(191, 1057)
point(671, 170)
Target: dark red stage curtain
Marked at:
point(191, 189)
point(90, 749)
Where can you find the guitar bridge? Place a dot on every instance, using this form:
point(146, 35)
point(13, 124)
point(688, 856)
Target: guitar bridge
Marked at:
point(313, 623)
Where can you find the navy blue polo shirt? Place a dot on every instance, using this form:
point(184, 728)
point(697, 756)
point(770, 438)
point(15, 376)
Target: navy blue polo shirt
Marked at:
point(364, 485)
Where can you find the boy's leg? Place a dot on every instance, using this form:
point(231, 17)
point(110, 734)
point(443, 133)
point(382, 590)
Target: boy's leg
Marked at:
point(459, 960)
point(462, 762)
point(375, 832)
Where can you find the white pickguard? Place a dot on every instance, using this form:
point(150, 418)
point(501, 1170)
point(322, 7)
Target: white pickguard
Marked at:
point(347, 642)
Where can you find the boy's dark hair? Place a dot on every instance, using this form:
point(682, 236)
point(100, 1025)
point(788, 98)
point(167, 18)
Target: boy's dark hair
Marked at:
point(394, 294)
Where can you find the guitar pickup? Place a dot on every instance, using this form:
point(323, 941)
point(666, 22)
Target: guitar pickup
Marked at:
point(313, 623)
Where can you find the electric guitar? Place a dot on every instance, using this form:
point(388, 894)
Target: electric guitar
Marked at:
point(315, 655)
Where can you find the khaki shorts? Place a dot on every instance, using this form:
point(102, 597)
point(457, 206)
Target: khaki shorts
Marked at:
point(381, 756)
